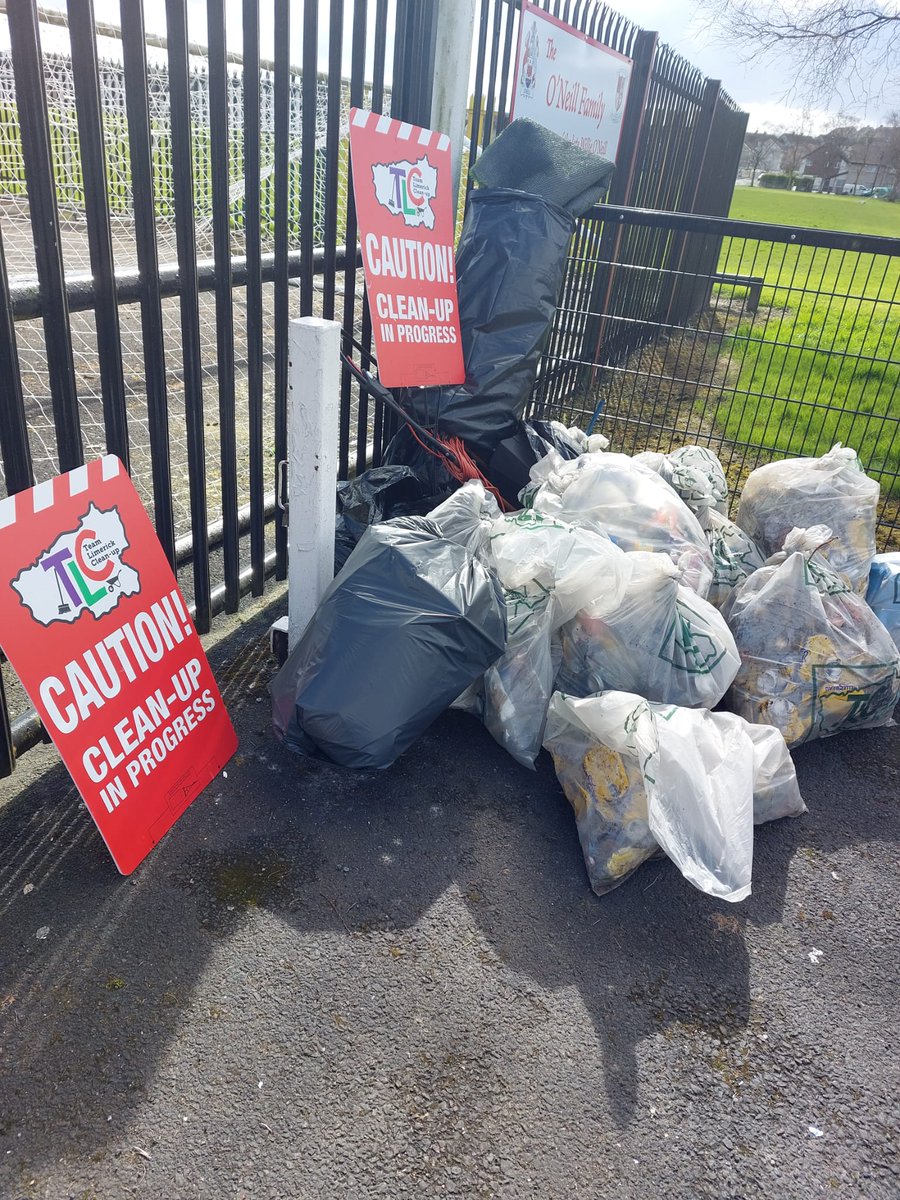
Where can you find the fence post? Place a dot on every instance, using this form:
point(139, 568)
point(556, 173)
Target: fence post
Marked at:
point(680, 301)
point(449, 101)
point(621, 192)
point(313, 402)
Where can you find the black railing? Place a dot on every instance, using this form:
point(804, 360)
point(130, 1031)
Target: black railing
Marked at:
point(758, 340)
point(194, 400)
point(679, 149)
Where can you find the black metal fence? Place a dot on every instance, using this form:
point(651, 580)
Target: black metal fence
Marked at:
point(756, 340)
point(200, 421)
point(679, 149)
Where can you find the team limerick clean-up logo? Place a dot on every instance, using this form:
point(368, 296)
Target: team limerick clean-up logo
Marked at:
point(406, 189)
point(81, 572)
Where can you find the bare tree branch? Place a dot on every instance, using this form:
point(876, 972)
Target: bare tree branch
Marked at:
point(834, 48)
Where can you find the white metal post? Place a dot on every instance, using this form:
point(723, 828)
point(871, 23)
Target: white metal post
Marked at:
point(314, 390)
point(450, 94)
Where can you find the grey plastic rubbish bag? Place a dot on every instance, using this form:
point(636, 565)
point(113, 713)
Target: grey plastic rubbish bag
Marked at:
point(374, 496)
point(802, 492)
point(815, 659)
point(407, 625)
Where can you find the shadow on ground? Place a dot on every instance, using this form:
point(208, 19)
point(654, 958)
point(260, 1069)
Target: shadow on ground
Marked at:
point(88, 1010)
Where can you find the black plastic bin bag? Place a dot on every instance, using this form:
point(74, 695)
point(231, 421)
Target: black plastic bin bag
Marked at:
point(376, 495)
point(411, 621)
point(509, 266)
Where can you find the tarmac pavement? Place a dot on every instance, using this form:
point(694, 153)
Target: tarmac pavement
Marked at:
point(353, 984)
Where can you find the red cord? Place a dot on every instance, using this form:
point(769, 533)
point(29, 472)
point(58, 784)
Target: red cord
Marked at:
point(464, 468)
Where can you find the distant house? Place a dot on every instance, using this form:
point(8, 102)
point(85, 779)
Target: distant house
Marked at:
point(865, 157)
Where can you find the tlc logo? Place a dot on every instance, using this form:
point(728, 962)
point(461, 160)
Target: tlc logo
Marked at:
point(411, 187)
point(82, 571)
point(79, 579)
point(406, 189)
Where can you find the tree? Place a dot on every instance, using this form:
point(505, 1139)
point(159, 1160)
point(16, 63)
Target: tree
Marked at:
point(757, 147)
point(833, 47)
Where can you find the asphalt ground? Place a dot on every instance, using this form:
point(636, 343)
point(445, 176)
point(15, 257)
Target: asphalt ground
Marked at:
point(398, 983)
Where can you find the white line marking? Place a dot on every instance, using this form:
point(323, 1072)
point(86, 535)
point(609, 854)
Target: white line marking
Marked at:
point(404, 131)
point(110, 465)
point(384, 124)
point(7, 511)
point(443, 142)
point(361, 117)
point(424, 137)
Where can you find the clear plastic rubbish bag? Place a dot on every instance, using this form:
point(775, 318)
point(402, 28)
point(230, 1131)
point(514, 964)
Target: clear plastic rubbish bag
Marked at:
point(735, 556)
point(548, 570)
point(815, 659)
point(802, 492)
point(776, 792)
point(883, 594)
point(696, 475)
point(641, 776)
point(630, 503)
point(662, 641)
point(467, 518)
point(407, 625)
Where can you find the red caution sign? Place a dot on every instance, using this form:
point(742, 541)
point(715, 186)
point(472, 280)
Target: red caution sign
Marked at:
point(403, 184)
point(95, 627)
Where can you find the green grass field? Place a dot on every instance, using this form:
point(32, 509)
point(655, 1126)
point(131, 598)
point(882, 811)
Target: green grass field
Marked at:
point(853, 214)
point(821, 359)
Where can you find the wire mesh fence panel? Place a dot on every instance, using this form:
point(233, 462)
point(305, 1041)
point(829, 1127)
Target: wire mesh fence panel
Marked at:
point(784, 343)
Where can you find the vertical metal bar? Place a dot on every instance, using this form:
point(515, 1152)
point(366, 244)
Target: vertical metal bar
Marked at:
point(357, 70)
point(183, 188)
point(492, 78)
point(477, 96)
point(15, 451)
point(414, 51)
point(254, 293)
point(332, 141)
point(621, 192)
point(380, 54)
point(134, 58)
point(86, 77)
point(34, 128)
point(282, 87)
point(512, 11)
point(221, 206)
point(308, 164)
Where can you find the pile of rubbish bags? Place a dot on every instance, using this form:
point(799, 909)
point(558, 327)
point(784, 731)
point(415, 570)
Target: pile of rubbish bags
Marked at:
point(667, 657)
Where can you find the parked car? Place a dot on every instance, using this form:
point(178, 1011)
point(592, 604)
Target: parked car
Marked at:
point(883, 193)
point(857, 189)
